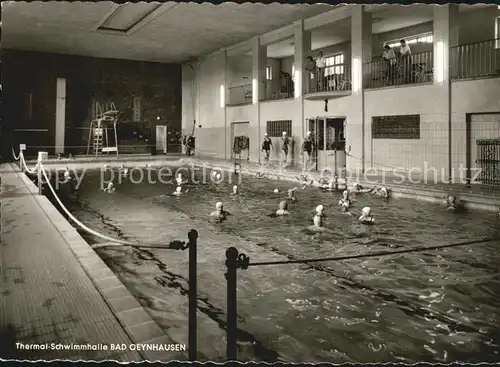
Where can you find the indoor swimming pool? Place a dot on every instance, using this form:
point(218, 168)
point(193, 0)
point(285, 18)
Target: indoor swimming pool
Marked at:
point(437, 306)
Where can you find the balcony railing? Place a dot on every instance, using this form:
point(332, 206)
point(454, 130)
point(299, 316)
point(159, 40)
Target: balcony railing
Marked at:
point(241, 94)
point(404, 70)
point(279, 89)
point(334, 78)
point(475, 60)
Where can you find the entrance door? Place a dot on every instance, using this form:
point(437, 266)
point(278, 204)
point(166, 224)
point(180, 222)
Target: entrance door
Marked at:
point(335, 145)
point(240, 129)
point(161, 139)
point(329, 137)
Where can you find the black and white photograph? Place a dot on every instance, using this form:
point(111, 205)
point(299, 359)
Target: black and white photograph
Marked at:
point(282, 182)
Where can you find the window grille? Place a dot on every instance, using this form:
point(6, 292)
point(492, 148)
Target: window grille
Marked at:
point(275, 128)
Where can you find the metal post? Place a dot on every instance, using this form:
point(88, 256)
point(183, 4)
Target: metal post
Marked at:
point(39, 173)
point(234, 260)
point(193, 300)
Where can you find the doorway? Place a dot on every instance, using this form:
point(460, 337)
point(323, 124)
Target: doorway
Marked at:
point(483, 148)
point(240, 141)
point(329, 135)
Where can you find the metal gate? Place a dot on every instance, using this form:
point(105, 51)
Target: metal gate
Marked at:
point(488, 153)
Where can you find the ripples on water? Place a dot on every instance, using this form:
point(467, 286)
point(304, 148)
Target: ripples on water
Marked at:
point(440, 306)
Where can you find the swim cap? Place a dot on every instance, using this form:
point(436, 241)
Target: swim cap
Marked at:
point(218, 205)
point(284, 133)
point(235, 187)
point(110, 184)
point(178, 189)
point(265, 134)
point(276, 191)
point(283, 205)
point(308, 133)
point(345, 192)
point(319, 208)
point(366, 210)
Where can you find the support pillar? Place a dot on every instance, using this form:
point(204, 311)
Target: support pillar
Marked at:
point(358, 136)
point(60, 114)
point(302, 84)
point(257, 128)
point(445, 35)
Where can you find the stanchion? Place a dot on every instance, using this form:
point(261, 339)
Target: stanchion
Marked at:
point(39, 173)
point(193, 295)
point(234, 261)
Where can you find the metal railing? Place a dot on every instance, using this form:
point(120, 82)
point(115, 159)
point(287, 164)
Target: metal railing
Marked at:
point(473, 60)
point(241, 94)
point(403, 70)
point(282, 89)
point(334, 78)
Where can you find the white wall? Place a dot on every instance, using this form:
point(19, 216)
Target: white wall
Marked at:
point(432, 147)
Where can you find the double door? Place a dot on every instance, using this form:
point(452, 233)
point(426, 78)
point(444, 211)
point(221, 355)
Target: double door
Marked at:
point(329, 148)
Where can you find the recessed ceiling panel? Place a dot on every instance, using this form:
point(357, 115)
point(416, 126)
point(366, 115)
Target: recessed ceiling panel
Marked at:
point(128, 15)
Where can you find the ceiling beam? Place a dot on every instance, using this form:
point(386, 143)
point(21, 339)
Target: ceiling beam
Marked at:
point(332, 16)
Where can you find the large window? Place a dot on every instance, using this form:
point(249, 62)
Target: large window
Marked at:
point(334, 64)
point(396, 127)
point(421, 38)
point(275, 128)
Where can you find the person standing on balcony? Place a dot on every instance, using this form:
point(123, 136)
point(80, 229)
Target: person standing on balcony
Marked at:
point(405, 53)
point(390, 57)
point(320, 65)
point(310, 71)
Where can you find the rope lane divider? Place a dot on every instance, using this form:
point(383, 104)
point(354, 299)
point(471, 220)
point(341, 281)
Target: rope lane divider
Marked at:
point(376, 254)
point(174, 245)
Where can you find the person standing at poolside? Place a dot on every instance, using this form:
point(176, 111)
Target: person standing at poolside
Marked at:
point(285, 145)
point(307, 150)
point(267, 145)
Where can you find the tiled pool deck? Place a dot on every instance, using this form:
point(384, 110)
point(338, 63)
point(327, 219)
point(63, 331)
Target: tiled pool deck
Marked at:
point(55, 289)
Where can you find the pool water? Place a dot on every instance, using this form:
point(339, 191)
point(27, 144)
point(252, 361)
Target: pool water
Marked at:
point(436, 306)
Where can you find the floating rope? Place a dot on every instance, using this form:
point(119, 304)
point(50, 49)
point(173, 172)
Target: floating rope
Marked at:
point(175, 245)
point(376, 254)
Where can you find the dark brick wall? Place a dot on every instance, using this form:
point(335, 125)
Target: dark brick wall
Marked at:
point(104, 80)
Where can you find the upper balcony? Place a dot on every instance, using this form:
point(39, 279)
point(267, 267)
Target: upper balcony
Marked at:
point(475, 60)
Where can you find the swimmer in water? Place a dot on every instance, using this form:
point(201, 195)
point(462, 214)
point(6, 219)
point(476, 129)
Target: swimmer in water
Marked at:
point(359, 189)
point(123, 171)
point(219, 212)
point(260, 174)
point(178, 191)
point(179, 179)
point(451, 203)
point(366, 217)
point(67, 175)
point(383, 192)
point(110, 188)
point(291, 195)
point(235, 190)
point(215, 175)
point(330, 186)
point(318, 218)
point(345, 202)
point(282, 208)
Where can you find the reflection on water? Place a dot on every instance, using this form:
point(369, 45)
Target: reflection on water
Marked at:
point(440, 306)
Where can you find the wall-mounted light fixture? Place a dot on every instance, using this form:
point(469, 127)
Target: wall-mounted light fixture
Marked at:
point(439, 72)
point(255, 92)
point(356, 74)
point(222, 96)
point(298, 84)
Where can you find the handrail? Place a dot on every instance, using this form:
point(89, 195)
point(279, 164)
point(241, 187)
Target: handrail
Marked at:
point(331, 78)
point(477, 59)
point(476, 42)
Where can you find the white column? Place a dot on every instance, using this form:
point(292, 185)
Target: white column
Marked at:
point(445, 35)
point(60, 114)
point(259, 62)
point(301, 84)
point(357, 136)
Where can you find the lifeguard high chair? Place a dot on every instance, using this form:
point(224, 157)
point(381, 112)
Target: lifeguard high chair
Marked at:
point(104, 119)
